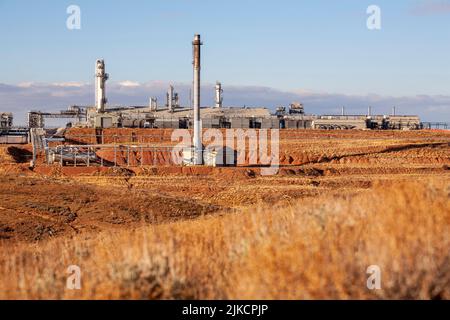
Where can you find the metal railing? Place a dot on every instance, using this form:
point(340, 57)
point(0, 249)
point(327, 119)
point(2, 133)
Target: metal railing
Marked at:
point(114, 155)
point(436, 125)
point(136, 156)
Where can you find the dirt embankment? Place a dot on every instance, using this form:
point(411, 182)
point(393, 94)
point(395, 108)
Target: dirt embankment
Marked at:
point(15, 159)
point(125, 135)
point(40, 208)
point(15, 154)
point(297, 147)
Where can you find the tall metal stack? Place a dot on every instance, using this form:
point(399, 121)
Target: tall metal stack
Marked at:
point(170, 94)
point(153, 104)
point(100, 79)
point(219, 92)
point(172, 99)
point(198, 148)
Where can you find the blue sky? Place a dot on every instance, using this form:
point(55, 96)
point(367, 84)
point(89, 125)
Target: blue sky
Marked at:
point(319, 46)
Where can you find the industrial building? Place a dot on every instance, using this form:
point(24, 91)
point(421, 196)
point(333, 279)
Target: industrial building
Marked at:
point(8, 133)
point(6, 120)
point(172, 115)
point(244, 118)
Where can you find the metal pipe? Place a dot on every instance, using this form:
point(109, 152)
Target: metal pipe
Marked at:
point(128, 156)
point(198, 148)
point(115, 156)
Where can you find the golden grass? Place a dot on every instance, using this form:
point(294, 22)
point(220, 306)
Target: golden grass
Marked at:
point(313, 249)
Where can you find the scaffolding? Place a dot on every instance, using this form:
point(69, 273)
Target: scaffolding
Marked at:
point(36, 119)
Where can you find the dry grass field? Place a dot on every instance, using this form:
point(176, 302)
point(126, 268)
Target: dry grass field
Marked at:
point(342, 201)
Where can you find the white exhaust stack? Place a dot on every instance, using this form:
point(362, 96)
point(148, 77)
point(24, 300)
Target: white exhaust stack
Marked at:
point(219, 98)
point(100, 80)
point(170, 105)
point(198, 147)
point(153, 104)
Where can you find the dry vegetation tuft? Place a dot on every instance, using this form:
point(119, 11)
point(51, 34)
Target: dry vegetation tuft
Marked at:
point(313, 249)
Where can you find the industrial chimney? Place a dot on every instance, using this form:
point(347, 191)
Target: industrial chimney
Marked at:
point(100, 80)
point(219, 98)
point(153, 104)
point(170, 94)
point(198, 148)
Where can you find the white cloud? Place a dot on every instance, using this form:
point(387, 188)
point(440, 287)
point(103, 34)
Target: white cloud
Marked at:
point(25, 84)
point(69, 84)
point(128, 83)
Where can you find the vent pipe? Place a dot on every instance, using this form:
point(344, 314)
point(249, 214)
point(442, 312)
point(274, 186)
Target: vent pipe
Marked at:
point(198, 148)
